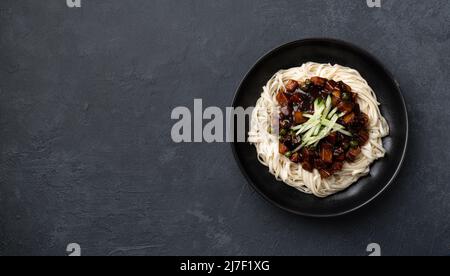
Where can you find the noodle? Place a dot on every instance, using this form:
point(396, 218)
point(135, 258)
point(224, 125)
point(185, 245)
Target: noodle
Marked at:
point(293, 174)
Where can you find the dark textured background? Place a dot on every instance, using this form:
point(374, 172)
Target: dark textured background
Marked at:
point(86, 154)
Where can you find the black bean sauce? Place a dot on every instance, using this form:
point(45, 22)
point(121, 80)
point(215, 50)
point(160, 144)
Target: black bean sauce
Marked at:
point(329, 155)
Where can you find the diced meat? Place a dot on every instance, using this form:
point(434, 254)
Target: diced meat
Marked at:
point(356, 108)
point(319, 163)
point(307, 166)
point(318, 81)
point(331, 85)
point(353, 153)
point(363, 136)
point(331, 138)
point(337, 166)
point(296, 99)
point(282, 99)
point(282, 148)
point(324, 173)
point(364, 119)
point(336, 97)
point(295, 157)
point(345, 107)
point(291, 85)
point(306, 154)
point(335, 101)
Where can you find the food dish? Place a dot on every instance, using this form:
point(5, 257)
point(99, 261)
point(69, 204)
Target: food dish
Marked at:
point(317, 127)
point(393, 109)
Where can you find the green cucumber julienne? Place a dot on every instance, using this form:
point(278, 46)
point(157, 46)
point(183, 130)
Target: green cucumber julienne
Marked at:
point(320, 124)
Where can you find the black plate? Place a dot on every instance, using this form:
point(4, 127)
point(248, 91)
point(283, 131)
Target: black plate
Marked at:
point(393, 108)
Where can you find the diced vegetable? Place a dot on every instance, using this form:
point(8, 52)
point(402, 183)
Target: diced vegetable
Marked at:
point(354, 143)
point(298, 117)
point(326, 153)
point(348, 118)
point(336, 93)
point(346, 96)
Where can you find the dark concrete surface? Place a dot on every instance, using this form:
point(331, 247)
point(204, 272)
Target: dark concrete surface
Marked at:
point(86, 153)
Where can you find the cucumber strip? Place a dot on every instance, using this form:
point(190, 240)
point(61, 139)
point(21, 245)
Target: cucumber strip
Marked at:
point(338, 126)
point(344, 132)
point(316, 131)
point(320, 124)
point(297, 127)
point(327, 107)
point(309, 133)
point(305, 127)
point(316, 105)
point(329, 123)
point(324, 133)
point(331, 114)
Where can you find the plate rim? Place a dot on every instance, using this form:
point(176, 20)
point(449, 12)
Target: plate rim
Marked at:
point(403, 103)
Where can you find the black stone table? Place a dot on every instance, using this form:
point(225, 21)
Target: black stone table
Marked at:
point(86, 154)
